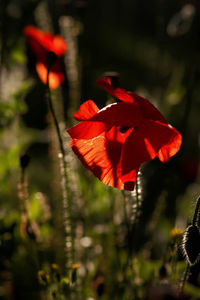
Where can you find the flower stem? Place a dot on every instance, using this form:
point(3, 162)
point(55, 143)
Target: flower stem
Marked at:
point(136, 199)
point(185, 278)
point(22, 195)
point(69, 241)
point(125, 208)
point(23, 187)
point(196, 213)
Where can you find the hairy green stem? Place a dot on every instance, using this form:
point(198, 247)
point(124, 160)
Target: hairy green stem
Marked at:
point(125, 208)
point(69, 241)
point(136, 199)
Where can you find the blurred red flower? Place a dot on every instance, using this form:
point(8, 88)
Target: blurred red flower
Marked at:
point(113, 142)
point(41, 43)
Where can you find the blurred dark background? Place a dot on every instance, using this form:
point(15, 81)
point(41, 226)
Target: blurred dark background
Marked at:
point(154, 45)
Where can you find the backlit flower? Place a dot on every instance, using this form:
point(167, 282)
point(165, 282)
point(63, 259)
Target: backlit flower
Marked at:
point(113, 142)
point(41, 43)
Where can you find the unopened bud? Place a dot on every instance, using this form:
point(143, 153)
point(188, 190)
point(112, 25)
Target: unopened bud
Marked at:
point(50, 59)
point(75, 267)
point(24, 160)
point(191, 244)
point(114, 76)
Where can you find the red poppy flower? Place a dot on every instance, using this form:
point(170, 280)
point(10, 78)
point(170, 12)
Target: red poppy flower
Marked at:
point(41, 43)
point(113, 142)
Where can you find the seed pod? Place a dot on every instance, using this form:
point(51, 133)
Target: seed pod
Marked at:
point(50, 59)
point(24, 160)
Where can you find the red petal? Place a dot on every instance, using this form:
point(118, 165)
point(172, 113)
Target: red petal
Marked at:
point(56, 77)
point(41, 42)
point(147, 108)
point(105, 83)
point(145, 143)
point(86, 111)
point(102, 156)
point(87, 130)
point(116, 114)
point(59, 46)
point(164, 139)
point(133, 155)
point(35, 38)
point(32, 31)
point(120, 114)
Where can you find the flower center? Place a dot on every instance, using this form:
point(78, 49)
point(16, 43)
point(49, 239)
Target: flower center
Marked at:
point(124, 129)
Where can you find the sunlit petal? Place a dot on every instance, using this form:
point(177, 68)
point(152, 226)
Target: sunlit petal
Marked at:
point(164, 139)
point(87, 130)
point(55, 78)
point(102, 155)
point(86, 111)
point(41, 43)
point(145, 143)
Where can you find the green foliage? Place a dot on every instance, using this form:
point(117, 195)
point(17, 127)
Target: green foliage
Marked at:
point(9, 110)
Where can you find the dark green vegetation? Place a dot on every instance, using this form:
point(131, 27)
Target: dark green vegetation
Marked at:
point(155, 47)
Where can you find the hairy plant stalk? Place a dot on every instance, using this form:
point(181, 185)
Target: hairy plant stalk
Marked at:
point(136, 200)
point(23, 199)
point(70, 32)
point(125, 207)
point(69, 244)
point(196, 217)
point(24, 184)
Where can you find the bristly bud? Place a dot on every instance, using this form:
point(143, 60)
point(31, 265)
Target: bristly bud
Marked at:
point(24, 161)
point(50, 59)
point(56, 271)
point(114, 78)
point(191, 244)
